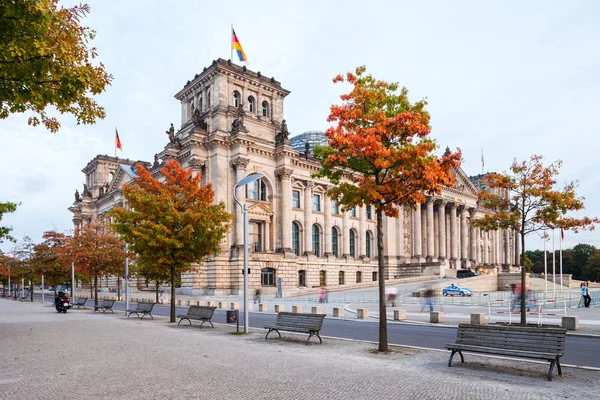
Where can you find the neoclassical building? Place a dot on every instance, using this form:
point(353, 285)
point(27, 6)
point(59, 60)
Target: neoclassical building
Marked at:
point(232, 125)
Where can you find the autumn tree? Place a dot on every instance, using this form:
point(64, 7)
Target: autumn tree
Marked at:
point(5, 208)
point(526, 199)
point(46, 60)
point(23, 253)
point(170, 223)
point(379, 154)
point(97, 251)
point(51, 258)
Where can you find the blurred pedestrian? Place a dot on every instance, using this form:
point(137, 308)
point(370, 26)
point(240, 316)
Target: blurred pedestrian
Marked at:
point(587, 297)
point(257, 296)
point(391, 293)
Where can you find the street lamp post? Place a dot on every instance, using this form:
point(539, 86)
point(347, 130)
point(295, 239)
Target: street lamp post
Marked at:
point(243, 182)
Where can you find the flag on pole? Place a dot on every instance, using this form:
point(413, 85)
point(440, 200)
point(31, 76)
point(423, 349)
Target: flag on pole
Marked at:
point(482, 163)
point(117, 140)
point(562, 232)
point(235, 45)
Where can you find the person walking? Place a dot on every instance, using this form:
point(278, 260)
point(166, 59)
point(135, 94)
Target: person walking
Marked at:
point(583, 291)
point(257, 296)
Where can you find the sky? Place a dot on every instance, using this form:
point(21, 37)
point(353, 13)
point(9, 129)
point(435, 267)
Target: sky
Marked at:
point(512, 78)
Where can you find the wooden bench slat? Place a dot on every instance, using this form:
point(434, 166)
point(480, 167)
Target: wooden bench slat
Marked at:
point(198, 313)
point(297, 322)
point(523, 342)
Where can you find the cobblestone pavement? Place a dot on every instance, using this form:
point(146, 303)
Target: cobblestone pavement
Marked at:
point(82, 355)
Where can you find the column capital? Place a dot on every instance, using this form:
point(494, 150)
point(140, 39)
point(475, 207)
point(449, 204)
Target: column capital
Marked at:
point(240, 163)
point(310, 184)
point(429, 199)
point(440, 202)
point(284, 173)
point(197, 164)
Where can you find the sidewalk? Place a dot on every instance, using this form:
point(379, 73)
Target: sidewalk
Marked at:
point(108, 356)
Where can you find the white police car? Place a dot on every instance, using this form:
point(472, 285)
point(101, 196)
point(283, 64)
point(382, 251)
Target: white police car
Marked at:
point(455, 290)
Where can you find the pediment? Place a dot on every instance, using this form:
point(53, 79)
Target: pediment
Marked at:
point(462, 182)
point(123, 175)
point(260, 209)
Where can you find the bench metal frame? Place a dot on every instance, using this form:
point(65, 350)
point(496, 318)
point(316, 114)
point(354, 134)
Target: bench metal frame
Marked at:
point(199, 313)
point(105, 306)
point(143, 308)
point(297, 322)
point(79, 302)
point(515, 341)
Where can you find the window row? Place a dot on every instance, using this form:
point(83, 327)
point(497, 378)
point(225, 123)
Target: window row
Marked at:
point(335, 241)
point(268, 277)
point(335, 209)
point(251, 104)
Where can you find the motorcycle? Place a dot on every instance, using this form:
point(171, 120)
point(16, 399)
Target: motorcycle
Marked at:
point(61, 302)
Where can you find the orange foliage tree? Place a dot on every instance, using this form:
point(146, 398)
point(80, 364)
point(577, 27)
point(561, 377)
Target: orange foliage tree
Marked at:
point(51, 258)
point(170, 224)
point(525, 199)
point(97, 251)
point(379, 154)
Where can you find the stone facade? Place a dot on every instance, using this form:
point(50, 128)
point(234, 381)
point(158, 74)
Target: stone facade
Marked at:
point(232, 125)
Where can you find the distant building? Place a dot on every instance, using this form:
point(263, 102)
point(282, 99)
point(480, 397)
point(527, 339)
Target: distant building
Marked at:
point(232, 125)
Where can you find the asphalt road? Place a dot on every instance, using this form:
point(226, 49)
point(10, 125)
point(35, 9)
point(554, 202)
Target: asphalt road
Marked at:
point(580, 350)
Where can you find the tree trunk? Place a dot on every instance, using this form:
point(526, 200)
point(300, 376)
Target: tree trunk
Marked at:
point(119, 288)
point(383, 342)
point(95, 289)
point(92, 288)
point(523, 291)
point(157, 285)
point(31, 288)
point(172, 295)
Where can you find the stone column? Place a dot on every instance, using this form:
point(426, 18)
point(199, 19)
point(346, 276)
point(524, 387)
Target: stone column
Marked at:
point(474, 237)
point(417, 233)
point(285, 226)
point(240, 192)
point(506, 255)
point(346, 234)
point(453, 233)
point(362, 235)
point(464, 235)
point(327, 233)
point(308, 203)
point(267, 236)
point(442, 229)
point(430, 232)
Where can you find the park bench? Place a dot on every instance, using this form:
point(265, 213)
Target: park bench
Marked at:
point(142, 308)
point(297, 322)
point(79, 302)
point(199, 313)
point(105, 306)
point(24, 297)
point(515, 341)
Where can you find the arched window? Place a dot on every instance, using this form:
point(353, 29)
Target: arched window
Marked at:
point(200, 105)
point(296, 238)
point(316, 240)
point(236, 98)
point(334, 241)
point(267, 277)
point(302, 278)
point(256, 190)
point(251, 104)
point(368, 244)
point(208, 100)
point(352, 243)
point(265, 108)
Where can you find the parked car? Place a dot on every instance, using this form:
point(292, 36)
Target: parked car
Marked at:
point(465, 273)
point(453, 290)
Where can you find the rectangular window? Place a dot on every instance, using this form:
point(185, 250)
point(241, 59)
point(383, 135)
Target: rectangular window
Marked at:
point(296, 199)
point(334, 207)
point(255, 236)
point(358, 277)
point(369, 213)
point(252, 190)
point(353, 212)
point(316, 202)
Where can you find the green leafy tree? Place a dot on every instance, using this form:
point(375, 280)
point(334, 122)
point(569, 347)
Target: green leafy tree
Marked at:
point(5, 208)
point(45, 60)
point(170, 223)
point(379, 154)
point(591, 270)
point(581, 254)
point(525, 199)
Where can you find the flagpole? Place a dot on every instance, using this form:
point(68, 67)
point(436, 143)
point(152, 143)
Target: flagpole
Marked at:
point(545, 265)
point(553, 265)
point(231, 42)
point(560, 260)
point(115, 141)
